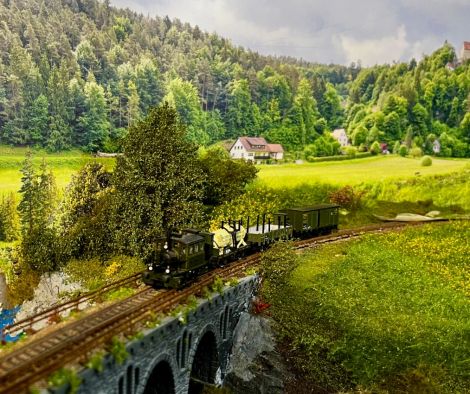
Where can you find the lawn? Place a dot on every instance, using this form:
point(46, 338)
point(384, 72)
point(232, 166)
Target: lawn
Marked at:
point(63, 165)
point(355, 171)
point(387, 313)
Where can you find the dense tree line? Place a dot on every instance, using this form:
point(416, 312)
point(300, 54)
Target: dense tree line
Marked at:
point(413, 104)
point(78, 73)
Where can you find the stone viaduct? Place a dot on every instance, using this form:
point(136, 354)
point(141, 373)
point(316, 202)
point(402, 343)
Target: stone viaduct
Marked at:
point(176, 357)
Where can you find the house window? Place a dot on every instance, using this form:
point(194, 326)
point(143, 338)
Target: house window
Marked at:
point(251, 154)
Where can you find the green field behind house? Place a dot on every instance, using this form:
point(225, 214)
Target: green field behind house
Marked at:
point(351, 172)
point(63, 165)
point(387, 313)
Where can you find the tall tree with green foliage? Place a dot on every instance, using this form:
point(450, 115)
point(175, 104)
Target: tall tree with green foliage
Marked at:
point(37, 120)
point(95, 119)
point(183, 96)
point(240, 111)
point(330, 107)
point(157, 182)
point(86, 213)
point(39, 241)
point(304, 113)
point(9, 225)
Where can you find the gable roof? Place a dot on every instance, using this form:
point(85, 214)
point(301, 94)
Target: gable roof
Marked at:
point(254, 143)
point(275, 148)
point(466, 45)
point(259, 144)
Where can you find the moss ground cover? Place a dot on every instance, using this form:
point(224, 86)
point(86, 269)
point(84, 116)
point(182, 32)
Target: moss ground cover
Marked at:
point(388, 312)
point(353, 172)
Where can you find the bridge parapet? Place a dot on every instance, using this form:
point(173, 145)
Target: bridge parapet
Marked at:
point(176, 356)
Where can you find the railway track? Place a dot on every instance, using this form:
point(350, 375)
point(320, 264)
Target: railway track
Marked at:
point(30, 324)
point(36, 360)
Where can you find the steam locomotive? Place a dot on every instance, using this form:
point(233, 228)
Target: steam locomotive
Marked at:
point(183, 255)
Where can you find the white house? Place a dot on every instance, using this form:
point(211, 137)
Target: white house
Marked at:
point(465, 51)
point(255, 149)
point(436, 146)
point(340, 136)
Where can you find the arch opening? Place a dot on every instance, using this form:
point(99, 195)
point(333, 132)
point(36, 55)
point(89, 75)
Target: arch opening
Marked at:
point(205, 364)
point(161, 380)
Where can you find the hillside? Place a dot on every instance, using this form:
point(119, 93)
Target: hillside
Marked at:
point(78, 73)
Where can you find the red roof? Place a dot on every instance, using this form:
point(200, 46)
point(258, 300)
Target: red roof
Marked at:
point(275, 148)
point(466, 45)
point(259, 144)
point(254, 143)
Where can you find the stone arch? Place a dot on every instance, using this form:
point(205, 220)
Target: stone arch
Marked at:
point(205, 361)
point(160, 379)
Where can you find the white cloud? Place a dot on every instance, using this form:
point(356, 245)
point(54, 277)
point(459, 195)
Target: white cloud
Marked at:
point(374, 51)
point(340, 31)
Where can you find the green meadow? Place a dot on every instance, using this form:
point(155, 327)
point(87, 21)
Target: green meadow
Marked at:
point(352, 172)
point(63, 165)
point(386, 313)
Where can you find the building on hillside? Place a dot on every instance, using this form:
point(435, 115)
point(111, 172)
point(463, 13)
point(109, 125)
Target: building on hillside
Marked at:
point(256, 149)
point(465, 51)
point(436, 146)
point(340, 136)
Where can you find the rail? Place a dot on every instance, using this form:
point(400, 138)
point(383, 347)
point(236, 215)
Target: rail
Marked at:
point(73, 304)
point(37, 359)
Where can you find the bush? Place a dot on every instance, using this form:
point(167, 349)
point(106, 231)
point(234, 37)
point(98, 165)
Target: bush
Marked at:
point(118, 350)
point(375, 148)
point(65, 376)
point(277, 266)
point(311, 159)
point(416, 152)
point(347, 197)
point(403, 151)
point(351, 151)
point(426, 161)
point(396, 147)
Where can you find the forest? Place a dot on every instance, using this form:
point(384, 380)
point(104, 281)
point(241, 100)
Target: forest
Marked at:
point(78, 73)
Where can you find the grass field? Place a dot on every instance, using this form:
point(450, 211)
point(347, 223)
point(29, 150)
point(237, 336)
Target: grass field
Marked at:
point(353, 172)
point(63, 165)
point(387, 313)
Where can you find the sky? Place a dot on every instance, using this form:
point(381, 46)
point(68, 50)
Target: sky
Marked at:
point(325, 31)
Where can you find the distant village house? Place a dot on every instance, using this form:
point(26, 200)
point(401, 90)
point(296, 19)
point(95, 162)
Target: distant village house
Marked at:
point(465, 51)
point(341, 136)
point(256, 149)
point(436, 146)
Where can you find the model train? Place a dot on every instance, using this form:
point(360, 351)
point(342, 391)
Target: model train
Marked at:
point(184, 255)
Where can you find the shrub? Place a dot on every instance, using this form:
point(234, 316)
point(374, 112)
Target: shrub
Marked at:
point(65, 376)
point(375, 148)
point(95, 362)
point(118, 350)
point(347, 197)
point(403, 151)
point(351, 151)
point(277, 266)
point(396, 147)
point(426, 161)
point(416, 152)
point(312, 159)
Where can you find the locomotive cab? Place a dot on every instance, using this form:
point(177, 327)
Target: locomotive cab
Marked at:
point(180, 257)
